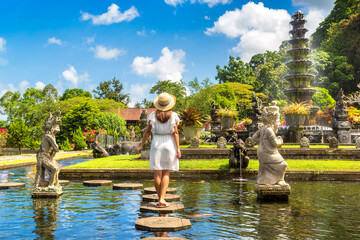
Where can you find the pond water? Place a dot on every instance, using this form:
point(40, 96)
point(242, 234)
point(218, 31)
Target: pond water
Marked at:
point(217, 210)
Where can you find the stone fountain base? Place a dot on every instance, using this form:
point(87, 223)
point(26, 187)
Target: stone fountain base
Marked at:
point(273, 192)
point(47, 192)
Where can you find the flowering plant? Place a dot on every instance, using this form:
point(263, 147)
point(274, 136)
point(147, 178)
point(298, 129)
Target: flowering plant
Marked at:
point(325, 117)
point(3, 136)
point(297, 108)
point(240, 126)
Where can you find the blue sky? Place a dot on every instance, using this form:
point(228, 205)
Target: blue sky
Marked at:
point(81, 43)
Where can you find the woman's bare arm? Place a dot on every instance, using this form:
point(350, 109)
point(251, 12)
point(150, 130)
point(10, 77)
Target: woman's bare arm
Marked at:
point(175, 135)
point(145, 138)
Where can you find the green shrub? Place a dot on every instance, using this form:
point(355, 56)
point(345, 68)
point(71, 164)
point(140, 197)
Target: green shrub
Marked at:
point(65, 145)
point(79, 140)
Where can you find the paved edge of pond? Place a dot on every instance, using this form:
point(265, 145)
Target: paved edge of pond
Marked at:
point(30, 163)
point(291, 175)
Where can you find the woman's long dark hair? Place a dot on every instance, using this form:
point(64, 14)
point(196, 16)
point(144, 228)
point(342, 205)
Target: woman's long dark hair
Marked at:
point(163, 117)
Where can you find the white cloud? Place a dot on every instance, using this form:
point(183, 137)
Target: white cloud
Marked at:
point(210, 3)
point(322, 5)
point(141, 33)
point(23, 86)
point(54, 40)
point(314, 17)
point(2, 44)
point(113, 15)
point(174, 2)
point(259, 28)
point(89, 40)
point(138, 92)
point(3, 62)
point(104, 53)
point(207, 18)
point(72, 76)
point(39, 85)
point(167, 67)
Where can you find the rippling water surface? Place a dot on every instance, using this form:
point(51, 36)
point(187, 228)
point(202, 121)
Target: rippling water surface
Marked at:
point(217, 210)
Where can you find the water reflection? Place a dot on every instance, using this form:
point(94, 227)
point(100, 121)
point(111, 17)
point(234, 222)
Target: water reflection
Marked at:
point(46, 216)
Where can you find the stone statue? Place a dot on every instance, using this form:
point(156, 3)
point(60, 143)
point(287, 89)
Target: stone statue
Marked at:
point(249, 142)
point(333, 142)
point(304, 142)
point(132, 134)
point(213, 111)
point(256, 105)
point(357, 141)
point(238, 155)
point(98, 150)
point(341, 104)
point(194, 142)
point(221, 142)
point(45, 160)
point(272, 165)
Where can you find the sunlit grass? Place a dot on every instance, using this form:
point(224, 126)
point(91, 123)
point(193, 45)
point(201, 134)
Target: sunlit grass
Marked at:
point(34, 159)
point(130, 161)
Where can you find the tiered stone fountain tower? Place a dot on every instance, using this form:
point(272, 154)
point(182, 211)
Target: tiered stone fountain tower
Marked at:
point(300, 89)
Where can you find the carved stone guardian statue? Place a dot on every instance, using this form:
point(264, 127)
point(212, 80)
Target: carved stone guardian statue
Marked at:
point(238, 155)
point(270, 183)
point(45, 160)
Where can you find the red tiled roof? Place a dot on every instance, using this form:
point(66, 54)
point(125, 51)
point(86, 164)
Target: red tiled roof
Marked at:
point(134, 113)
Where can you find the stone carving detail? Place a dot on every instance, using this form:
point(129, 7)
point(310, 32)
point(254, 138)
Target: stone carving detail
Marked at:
point(214, 115)
point(304, 142)
point(357, 141)
point(249, 142)
point(272, 166)
point(238, 155)
point(256, 104)
point(98, 150)
point(194, 143)
point(333, 142)
point(221, 142)
point(45, 160)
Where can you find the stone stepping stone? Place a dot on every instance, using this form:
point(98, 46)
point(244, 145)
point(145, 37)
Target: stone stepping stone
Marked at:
point(64, 182)
point(9, 185)
point(151, 190)
point(127, 186)
point(154, 197)
point(151, 207)
point(162, 224)
point(96, 183)
point(163, 238)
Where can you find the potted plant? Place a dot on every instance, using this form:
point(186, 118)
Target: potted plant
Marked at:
point(191, 122)
point(296, 113)
point(227, 117)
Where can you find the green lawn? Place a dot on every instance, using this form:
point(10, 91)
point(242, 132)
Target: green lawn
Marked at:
point(213, 164)
point(283, 146)
point(34, 159)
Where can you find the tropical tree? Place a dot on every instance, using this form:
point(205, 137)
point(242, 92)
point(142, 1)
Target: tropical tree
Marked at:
point(111, 89)
point(175, 88)
point(75, 92)
point(236, 71)
point(111, 122)
point(18, 134)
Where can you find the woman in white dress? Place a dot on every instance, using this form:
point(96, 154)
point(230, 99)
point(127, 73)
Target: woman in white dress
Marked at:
point(165, 149)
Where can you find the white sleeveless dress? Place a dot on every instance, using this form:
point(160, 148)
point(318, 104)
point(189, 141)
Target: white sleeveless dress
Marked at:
point(163, 148)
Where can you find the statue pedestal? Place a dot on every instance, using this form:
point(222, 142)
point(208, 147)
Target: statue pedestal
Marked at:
point(47, 192)
point(273, 192)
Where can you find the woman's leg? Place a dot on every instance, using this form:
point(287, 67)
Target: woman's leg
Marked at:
point(164, 185)
point(157, 181)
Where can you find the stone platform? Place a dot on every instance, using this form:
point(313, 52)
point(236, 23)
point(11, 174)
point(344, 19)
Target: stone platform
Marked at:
point(9, 185)
point(96, 183)
point(151, 207)
point(47, 192)
point(151, 190)
point(127, 186)
point(64, 182)
point(273, 192)
point(162, 224)
point(154, 197)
